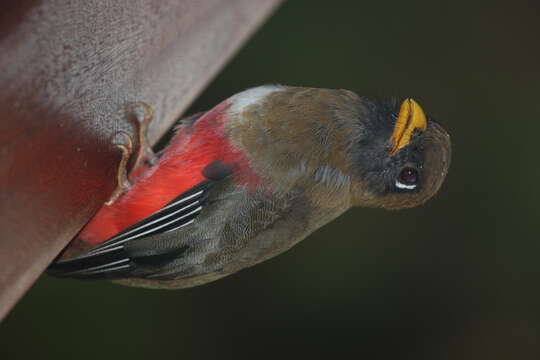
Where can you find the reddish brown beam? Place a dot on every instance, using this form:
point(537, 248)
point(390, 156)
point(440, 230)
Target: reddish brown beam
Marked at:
point(69, 70)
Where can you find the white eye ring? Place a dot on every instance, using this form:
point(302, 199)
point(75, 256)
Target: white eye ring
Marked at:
point(404, 186)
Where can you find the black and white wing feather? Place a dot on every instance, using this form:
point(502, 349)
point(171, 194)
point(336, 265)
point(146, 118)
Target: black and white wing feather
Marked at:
point(113, 259)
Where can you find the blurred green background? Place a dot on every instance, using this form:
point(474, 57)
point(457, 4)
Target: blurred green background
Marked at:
point(454, 279)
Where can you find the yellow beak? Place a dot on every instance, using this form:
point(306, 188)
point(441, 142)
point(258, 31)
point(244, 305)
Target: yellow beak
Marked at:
point(411, 117)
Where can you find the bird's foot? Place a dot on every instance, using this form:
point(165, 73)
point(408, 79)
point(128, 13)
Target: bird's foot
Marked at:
point(145, 156)
point(122, 174)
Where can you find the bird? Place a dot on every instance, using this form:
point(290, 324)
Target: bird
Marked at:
point(250, 178)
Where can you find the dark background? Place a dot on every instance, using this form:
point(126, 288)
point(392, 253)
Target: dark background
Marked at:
point(454, 279)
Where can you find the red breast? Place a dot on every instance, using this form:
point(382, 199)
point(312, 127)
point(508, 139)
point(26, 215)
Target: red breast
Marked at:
point(179, 168)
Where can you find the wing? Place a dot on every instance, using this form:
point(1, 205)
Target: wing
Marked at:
point(112, 260)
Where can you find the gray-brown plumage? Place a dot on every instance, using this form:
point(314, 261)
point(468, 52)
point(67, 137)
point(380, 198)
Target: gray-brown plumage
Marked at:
point(308, 156)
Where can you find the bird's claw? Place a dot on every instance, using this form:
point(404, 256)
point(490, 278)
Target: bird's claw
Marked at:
point(123, 183)
point(145, 155)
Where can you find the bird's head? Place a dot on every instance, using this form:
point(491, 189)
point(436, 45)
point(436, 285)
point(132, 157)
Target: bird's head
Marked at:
point(401, 156)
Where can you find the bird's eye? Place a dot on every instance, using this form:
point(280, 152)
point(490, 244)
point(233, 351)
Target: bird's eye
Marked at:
point(407, 179)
